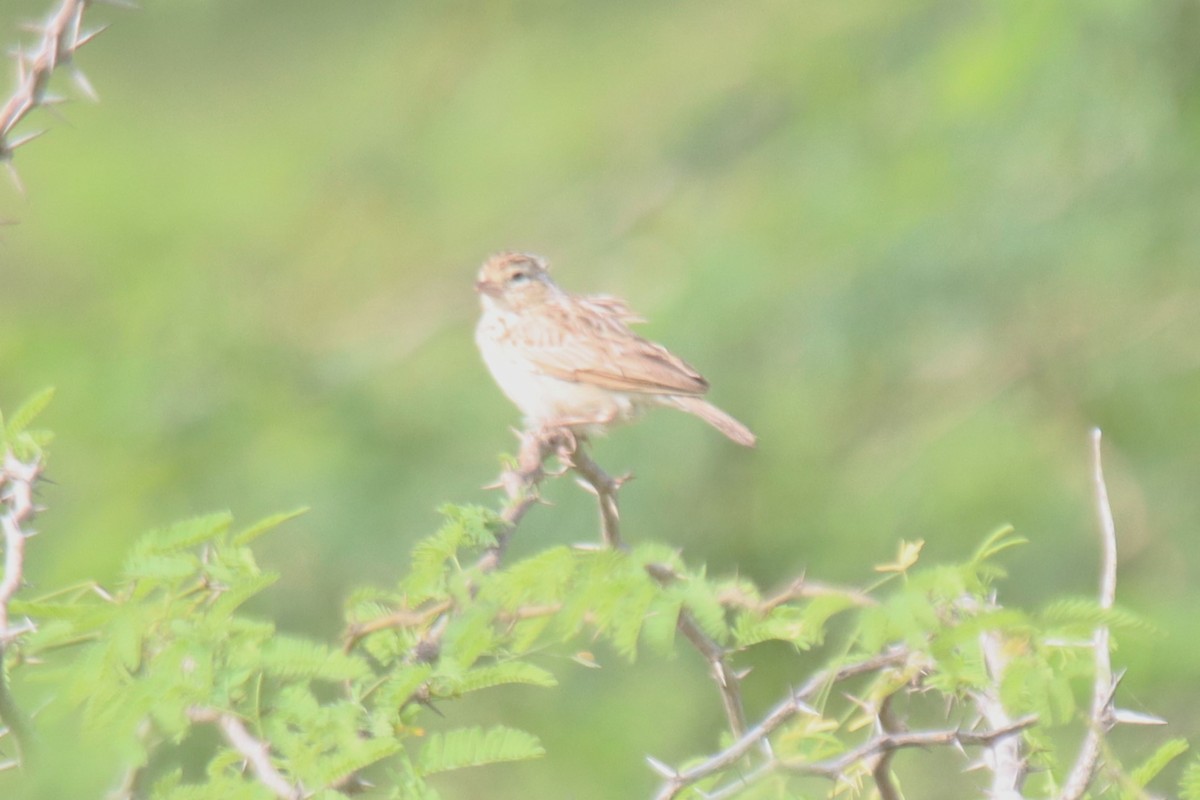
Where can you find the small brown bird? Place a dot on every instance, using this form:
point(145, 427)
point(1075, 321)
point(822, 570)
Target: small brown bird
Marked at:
point(572, 362)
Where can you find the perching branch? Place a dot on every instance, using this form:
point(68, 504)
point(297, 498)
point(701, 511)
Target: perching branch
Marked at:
point(17, 509)
point(605, 488)
point(61, 36)
point(520, 482)
point(1101, 717)
point(256, 753)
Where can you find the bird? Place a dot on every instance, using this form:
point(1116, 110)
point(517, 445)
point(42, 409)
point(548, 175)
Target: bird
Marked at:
point(571, 362)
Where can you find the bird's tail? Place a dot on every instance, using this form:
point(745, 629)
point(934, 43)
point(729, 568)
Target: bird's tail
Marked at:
point(717, 418)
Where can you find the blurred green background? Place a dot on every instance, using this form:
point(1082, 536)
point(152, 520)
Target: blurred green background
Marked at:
point(920, 247)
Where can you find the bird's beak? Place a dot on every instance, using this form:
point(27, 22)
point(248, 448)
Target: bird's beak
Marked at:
point(487, 287)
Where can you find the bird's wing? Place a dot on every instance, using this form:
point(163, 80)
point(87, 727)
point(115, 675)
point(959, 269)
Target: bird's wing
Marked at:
point(588, 340)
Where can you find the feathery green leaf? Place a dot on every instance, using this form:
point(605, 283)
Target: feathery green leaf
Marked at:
point(472, 747)
point(265, 525)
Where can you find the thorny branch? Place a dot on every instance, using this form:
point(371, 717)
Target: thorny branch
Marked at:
point(879, 747)
point(729, 683)
point(1102, 716)
point(257, 753)
point(886, 743)
point(605, 488)
point(882, 770)
point(796, 703)
point(17, 509)
point(61, 36)
point(1005, 756)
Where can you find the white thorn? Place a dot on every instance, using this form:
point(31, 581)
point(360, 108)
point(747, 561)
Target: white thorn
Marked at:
point(12, 171)
point(661, 768)
point(84, 38)
point(24, 140)
point(1127, 717)
point(84, 85)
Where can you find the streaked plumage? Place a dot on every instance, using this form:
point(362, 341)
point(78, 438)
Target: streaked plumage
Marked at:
point(572, 361)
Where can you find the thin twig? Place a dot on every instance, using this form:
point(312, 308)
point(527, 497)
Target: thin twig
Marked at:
point(605, 488)
point(1008, 765)
point(1101, 717)
point(795, 703)
point(800, 588)
point(880, 747)
point(400, 618)
point(882, 770)
point(256, 752)
point(728, 682)
point(61, 36)
point(885, 742)
point(16, 504)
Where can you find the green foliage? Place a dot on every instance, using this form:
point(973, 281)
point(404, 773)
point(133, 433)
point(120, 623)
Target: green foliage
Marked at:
point(169, 649)
point(15, 433)
point(1148, 770)
point(169, 639)
point(1189, 784)
point(915, 245)
point(474, 746)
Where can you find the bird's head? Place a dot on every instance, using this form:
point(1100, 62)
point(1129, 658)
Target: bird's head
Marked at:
point(515, 280)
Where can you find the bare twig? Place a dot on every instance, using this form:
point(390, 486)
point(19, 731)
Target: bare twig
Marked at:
point(728, 682)
point(61, 36)
point(803, 588)
point(16, 482)
point(880, 747)
point(882, 770)
point(1007, 756)
point(885, 742)
point(605, 488)
point(796, 703)
point(256, 752)
point(400, 618)
point(16, 511)
point(1101, 717)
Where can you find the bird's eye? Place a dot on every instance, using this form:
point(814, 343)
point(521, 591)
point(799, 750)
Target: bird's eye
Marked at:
point(518, 277)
